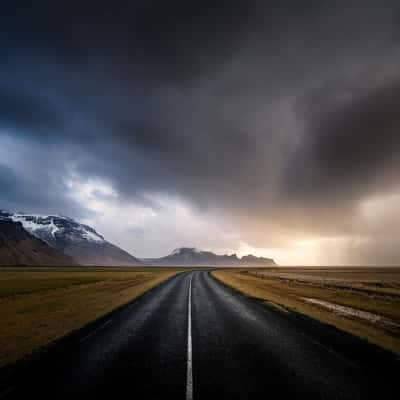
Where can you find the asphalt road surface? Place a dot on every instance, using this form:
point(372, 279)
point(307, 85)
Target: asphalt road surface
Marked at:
point(194, 338)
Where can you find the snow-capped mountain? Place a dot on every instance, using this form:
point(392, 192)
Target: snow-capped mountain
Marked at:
point(19, 247)
point(52, 228)
point(77, 240)
point(192, 257)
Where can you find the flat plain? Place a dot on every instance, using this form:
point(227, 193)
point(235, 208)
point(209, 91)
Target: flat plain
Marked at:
point(41, 305)
point(235, 347)
point(362, 301)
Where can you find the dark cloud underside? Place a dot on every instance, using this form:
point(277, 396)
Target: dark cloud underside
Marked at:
point(267, 111)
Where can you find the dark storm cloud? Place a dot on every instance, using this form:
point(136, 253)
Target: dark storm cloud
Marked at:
point(262, 109)
point(351, 141)
point(173, 38)
point(21, 192)
point(23, 111)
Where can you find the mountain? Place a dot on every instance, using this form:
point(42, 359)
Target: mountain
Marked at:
point(79, 241)
point(250, 261)
point(19, 247)
point(192, 257)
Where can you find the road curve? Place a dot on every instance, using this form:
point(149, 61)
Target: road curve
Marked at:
point(194, 338)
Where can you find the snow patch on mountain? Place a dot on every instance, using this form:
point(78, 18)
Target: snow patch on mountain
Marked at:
point(92, 236)
point(79, 241)
point(52, 227)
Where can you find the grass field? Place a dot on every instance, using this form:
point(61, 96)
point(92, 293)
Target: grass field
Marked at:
point(362, 301)
point(38, 306)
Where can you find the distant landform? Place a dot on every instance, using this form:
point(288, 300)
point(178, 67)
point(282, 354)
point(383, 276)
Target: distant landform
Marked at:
point(79, 242)
point(19, 247)
point(192, 257)
point(44, 240)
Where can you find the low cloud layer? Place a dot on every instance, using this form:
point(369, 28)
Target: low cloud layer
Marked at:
point(266, 126)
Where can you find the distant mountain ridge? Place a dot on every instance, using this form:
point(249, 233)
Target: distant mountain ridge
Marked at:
point(18, 247)
point(79, 241)
point(192, 257)
point(62, 236)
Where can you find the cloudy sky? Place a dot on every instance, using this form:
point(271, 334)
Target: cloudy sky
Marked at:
point(270, 127)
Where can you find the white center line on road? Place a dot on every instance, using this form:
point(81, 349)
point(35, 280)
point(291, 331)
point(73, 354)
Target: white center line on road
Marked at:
point(189, 374)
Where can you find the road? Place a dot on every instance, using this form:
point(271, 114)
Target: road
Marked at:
point(194, 338)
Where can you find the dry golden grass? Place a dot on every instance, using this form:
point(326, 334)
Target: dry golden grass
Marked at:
point(375, 291)
point(38, 306)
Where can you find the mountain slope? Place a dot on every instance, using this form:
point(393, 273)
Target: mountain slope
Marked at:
point(19, 247)
point(192, 257)
point(252, 261)
point(79, 241)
